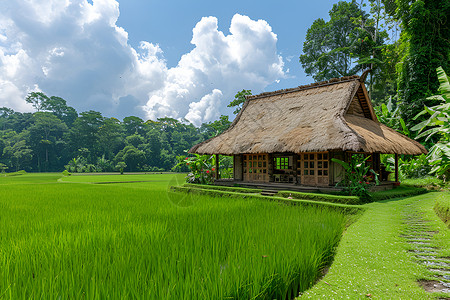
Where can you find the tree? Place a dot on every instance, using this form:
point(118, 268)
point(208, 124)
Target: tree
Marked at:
point(58, 106)
point(85, 133)
point(37, 100)
point(212, 129)
point(155, 148)
point(19, 153)
point(110, 137)
point(133, 125)
point(332, 48)
point(44, 133)
point(239, 100)
point(3, 168)
point(121, 166)
point(426, 32)
point(133, 157)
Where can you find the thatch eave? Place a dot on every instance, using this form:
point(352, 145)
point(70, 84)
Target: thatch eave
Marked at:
point(311, 118)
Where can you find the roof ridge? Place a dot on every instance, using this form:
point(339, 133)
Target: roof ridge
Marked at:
point(304, 87)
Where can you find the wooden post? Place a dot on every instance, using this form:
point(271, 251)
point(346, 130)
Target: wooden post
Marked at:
point(396, 167)
point(217, 167)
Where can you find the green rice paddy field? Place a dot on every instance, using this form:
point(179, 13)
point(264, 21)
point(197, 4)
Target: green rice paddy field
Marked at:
point(68, 238)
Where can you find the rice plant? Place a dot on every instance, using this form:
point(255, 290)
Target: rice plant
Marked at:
point(111, 241)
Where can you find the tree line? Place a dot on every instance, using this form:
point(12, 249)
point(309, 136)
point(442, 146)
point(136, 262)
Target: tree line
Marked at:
point(57, 137)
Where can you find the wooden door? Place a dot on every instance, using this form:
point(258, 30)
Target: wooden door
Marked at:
point(314, 169)
point(255, 167)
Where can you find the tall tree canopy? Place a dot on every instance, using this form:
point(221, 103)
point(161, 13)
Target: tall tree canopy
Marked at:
point(332, 48)
point(426, 33)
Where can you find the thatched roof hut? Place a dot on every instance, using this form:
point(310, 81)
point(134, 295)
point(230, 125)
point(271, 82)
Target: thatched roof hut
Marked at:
point(334, 115)
point(330, 115)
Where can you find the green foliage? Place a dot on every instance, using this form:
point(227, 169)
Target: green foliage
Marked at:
point(239, 100)
point(357, 180)
point(212, 129)
point(389, 114)
point(408, 167)
point(427, 35)
point(66, 173)
point(428, 182)
point(346, 44)
point(50, 138)
point(37, 100)
point(439, 121)
point(3, 168)
point(121, 166)
point(17, 173)
point(201, 167)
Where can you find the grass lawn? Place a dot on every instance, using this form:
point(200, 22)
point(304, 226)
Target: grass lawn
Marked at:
point(70, 238)
point(375, 258)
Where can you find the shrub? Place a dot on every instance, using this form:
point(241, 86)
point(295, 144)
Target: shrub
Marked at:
point(356, 181)
point(66, 173)
point(201, 168)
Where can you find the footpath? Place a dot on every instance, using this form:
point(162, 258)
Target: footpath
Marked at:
point(398, 249)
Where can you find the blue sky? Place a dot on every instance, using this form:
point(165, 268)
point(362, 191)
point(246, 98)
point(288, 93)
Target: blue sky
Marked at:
point(181, 59)
point(170, 23)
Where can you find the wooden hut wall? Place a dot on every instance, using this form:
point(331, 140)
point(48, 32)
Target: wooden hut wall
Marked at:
point(237, 167)
point(336, 170)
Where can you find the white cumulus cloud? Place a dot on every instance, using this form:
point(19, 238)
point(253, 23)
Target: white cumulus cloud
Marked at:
point(74, 49)
point(245, 59)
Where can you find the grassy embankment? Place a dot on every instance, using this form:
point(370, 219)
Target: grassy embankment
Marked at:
point(379, 258)
point(134, 240)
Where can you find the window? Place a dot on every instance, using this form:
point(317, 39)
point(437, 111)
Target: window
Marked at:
point(281, 163)
point(255, 167)
point(314, 168)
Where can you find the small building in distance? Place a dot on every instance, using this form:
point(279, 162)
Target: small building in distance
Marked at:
point(290, 136)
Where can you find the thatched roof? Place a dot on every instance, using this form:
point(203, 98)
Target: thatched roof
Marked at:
point(330, 115)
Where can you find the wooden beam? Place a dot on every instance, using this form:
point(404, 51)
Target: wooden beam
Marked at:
point(396, 167)
point(217, 167)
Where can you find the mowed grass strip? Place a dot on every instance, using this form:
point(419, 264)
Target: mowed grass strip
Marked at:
point(115, 241)
point(373, 260)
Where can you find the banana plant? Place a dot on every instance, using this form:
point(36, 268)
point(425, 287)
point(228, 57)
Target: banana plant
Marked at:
point(438, 123)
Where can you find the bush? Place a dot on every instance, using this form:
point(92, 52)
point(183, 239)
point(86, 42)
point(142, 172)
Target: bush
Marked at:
point(66, 173)
point(358, 177)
